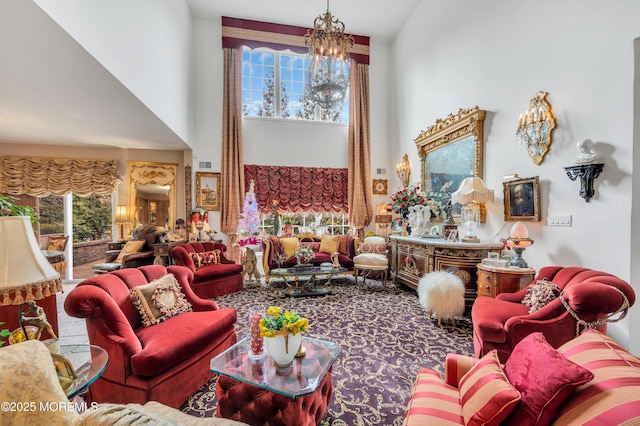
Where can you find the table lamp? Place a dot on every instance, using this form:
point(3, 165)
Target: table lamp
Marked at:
point(472, 194)
point(25, 274)
point(121, 218)
point(519, 241)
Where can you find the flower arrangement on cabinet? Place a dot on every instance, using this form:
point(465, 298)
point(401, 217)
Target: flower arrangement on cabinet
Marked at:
point(412, 195)
point(277, 323)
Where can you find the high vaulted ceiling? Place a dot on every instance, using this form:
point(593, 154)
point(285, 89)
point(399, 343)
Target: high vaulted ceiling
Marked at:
point(379, 19)
point(53, 92)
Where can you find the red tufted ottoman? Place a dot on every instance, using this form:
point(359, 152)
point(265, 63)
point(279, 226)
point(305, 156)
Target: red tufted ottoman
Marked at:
point(258, 393)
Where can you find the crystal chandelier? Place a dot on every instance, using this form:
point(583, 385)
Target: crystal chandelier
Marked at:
point(328, 50)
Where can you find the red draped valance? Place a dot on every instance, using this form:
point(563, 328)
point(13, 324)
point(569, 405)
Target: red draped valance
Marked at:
point(243, 32)
point(299, 189)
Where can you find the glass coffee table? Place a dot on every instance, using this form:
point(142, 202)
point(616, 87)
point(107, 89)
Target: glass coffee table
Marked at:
point(310, 286)
point(305, 387)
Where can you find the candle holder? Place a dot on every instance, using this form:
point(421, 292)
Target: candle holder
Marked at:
point(256, 352)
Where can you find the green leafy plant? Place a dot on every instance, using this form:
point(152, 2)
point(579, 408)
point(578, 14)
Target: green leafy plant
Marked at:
point(8, 207)
point(3, 333)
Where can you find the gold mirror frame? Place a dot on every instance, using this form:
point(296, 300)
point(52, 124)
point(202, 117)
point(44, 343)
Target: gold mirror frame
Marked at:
point(147, 173)
point(467, 123)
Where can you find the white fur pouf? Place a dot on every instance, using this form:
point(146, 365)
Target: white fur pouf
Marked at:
point(442, 293)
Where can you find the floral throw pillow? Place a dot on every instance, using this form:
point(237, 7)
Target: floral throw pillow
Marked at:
point(206, 258)
point(540, 294)
point(159, 300)
point(379, 248)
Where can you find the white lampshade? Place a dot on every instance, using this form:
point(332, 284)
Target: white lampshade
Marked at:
point(472, 189)
point(25, 274)
point(520, 233)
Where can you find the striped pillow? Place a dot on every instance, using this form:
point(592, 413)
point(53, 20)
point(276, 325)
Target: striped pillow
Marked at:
point(486, 395)
point(433, 402)
point(612, 396)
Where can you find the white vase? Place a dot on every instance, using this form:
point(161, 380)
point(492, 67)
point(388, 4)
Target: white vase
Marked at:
point(283, 349)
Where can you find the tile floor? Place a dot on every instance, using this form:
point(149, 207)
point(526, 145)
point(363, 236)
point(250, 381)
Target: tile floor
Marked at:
point(72, 330)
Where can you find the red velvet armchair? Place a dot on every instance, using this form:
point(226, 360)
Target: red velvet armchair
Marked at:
point(588, 299)
point(165, 362)
point(210, 280)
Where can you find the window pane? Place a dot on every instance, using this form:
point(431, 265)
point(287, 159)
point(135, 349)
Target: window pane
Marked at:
point(290, 92)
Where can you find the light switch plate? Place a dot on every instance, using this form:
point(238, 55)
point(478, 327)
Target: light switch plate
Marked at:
point(559, 220)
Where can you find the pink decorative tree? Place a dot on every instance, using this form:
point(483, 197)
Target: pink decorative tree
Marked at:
point(250, 220)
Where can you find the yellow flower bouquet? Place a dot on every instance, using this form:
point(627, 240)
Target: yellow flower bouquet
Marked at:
point(278, 323)
point(283, 334)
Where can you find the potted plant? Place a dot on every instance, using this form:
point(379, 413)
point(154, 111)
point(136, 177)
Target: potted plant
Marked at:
point(283, 334)
point(8, 207)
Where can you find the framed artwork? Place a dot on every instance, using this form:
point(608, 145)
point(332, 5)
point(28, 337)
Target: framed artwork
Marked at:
point(379, 187)
point(450, 233)
point(208, 190)
point(522, 200)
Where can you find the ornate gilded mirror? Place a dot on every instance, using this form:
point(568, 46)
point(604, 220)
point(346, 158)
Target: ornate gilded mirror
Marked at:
point(452, 150)
point(152, 193)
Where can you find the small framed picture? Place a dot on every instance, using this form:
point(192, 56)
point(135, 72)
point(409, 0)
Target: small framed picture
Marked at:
point(379, 187)
point(208, 190)
point(450, 233)
point(522, 200)
point(492, 255)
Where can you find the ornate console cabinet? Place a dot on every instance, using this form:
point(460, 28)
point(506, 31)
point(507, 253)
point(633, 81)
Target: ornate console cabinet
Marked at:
point(412, 258)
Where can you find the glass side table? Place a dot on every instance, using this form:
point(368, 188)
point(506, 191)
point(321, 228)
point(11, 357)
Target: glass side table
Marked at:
point(89, 361)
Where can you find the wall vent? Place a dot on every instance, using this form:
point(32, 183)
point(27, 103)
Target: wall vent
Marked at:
point(204, 164)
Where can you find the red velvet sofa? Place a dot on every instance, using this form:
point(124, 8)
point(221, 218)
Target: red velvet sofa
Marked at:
point(165, 362)
point(210, 280)
point(502, 322)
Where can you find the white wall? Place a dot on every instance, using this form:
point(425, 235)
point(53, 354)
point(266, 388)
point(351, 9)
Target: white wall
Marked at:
point(146, 44)
point(274, 141)
point(498, 54)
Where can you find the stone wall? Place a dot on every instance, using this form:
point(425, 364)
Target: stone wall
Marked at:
point(89, 252)
point(83, 252)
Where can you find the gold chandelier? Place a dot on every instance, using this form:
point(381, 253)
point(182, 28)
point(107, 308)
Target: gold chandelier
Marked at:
point(329, 53)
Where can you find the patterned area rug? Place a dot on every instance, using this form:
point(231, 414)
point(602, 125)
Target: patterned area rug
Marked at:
point(385, 338)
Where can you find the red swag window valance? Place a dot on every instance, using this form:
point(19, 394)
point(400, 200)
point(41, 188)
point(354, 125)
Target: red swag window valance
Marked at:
point(299, 189)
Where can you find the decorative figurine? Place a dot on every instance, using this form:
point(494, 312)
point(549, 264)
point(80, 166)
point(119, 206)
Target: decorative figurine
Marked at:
point(587, 156)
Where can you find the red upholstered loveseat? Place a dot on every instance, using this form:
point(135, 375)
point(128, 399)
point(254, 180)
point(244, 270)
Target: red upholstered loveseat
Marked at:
point(210, 280)
point(502, 322)
point(165, 362)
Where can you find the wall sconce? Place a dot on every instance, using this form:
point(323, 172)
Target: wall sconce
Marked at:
point(472, 194)
point(519, 240)
point(534, 128)
point(121, 218)
point(403, 169)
